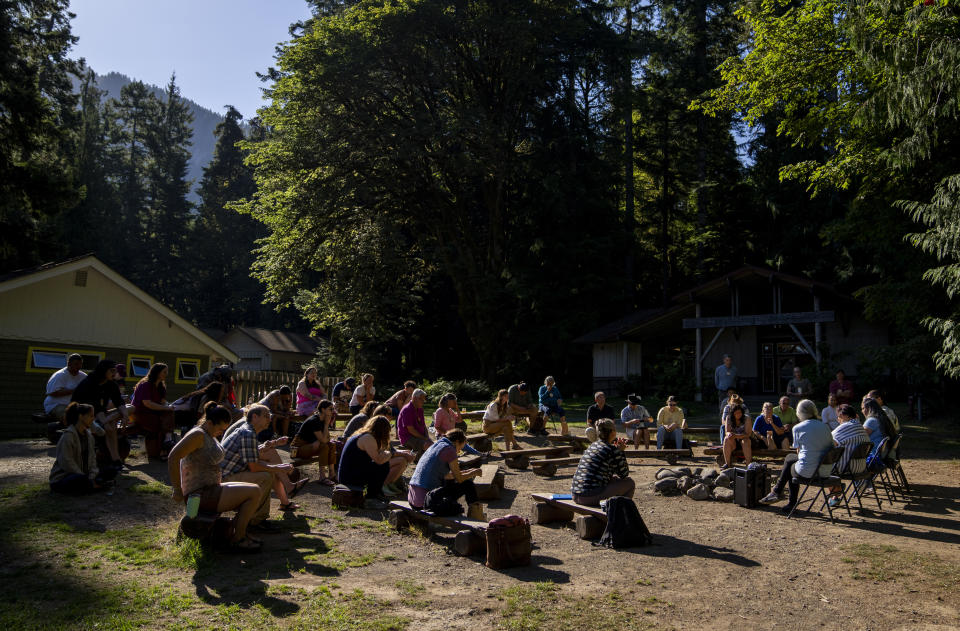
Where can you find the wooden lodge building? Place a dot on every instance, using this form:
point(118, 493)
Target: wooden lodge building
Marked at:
point(766, 320)
point(83, 306)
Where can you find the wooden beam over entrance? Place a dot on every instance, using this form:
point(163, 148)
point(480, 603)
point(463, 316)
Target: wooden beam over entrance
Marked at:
point(766, 319)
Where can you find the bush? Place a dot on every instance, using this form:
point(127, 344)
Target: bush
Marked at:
point(465, 389)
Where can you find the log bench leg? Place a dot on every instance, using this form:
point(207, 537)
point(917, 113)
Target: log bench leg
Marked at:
point(520, 462)
point(589, 527)
point(546, 470)
point(399, 520)
point(544, 513)
point(482, 444)
point(671, 460)
point(468, 543)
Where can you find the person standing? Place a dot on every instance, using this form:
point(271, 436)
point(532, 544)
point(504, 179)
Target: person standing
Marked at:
point(61, 385)
point(799, 387)
point(724, 378)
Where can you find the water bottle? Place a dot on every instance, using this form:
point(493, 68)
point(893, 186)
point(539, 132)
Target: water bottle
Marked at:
point(193, 505)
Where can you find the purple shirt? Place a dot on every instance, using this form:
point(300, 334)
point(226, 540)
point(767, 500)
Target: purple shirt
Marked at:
point(410, 417)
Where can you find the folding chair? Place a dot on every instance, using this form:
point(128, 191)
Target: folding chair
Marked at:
point(860, 452)
point(832, 457)
point(865, 480)
point(894, 475)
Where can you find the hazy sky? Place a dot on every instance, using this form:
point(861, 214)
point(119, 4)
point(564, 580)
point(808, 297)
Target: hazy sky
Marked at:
point(214, 46)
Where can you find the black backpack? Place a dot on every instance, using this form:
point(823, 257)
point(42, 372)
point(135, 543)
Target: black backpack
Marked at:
point(441, 505)
point(625, 527)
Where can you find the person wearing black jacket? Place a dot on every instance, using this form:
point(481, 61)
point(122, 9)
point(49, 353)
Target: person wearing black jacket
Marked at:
point(99, 390)
point(597, 411)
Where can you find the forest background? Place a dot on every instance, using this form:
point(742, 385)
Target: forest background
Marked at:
point(463, 187)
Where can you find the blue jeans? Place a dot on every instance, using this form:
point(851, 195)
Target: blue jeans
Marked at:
point(662, 434)
point(556, 409)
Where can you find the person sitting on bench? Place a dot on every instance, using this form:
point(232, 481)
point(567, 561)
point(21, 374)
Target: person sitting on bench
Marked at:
point(310, 392)
point(732, 400)
point(154, 415)
point(279, 402)
point(738, 430)
point(342, 392)
point(411, 424)
point(769, 432)
point(313, 441)
point(636, 421)
point(61, 385)
point(599, 410)
point(603, 470)
point(74, 471)
point(551, 402)
point(370, 463)
point(439, 469)
point(362, 394)
point(447, 417)
point(671, 422)
point(194, 468)
point(99, 390)
point(244, 462)
point(188, 409)
point(369, 410)
point(497, 420)
point(400, 398)
point(812, 440)
point(521, 402)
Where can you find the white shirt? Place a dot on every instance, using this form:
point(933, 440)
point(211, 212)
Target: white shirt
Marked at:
point(358, 395)
point(61, 379)
point(829, 416)
point(490, 414)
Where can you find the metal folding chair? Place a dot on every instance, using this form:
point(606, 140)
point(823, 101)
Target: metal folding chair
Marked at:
point(860, 452)
point(832, 457)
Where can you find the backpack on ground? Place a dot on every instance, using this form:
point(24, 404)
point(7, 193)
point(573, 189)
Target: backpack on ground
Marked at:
point(625, 527)
point(441, 504)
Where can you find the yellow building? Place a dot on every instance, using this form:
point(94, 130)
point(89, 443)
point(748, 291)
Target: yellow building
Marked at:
point(83, 306)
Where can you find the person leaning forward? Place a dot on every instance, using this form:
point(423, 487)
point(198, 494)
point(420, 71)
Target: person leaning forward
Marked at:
point(241, 463)
point(520, 400)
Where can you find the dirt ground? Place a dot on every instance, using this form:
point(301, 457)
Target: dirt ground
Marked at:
point(713, 564)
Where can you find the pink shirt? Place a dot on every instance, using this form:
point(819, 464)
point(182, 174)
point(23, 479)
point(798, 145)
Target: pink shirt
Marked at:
point(445, 420)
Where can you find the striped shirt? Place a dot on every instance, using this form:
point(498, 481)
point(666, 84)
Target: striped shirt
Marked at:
point(239, 450)
point(599, 463)
point(848, 435)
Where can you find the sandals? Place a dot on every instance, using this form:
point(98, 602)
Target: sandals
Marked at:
point(299, 484)
point(327, 482)
point(289, 506)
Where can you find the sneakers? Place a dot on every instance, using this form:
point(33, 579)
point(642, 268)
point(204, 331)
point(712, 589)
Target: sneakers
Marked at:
point(833, 502)
point(771, 498)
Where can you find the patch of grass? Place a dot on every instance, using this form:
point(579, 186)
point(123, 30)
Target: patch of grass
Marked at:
point(23, 491)
point(889, 563)
point(153, 487)
point(409, 587)
point(542, 606)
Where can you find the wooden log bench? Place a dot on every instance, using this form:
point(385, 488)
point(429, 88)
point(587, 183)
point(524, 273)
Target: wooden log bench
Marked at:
point(548, 466)
point(770, 454)
point(490, 482)
point(480, 442)
point(520, 458)
point(471, 534)
point(579, 442)
point(589, 521)
point(670, 455)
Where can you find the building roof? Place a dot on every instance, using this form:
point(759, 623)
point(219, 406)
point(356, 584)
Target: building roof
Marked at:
point(21, 278)
point(281, 341)
point(653, 321)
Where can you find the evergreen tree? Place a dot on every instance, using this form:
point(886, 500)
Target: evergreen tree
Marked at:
point(38, 128)
point(223, 240)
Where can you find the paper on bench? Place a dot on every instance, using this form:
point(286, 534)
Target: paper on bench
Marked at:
point(561, 496)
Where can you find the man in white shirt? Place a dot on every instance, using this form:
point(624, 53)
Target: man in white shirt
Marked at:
point(61, 385)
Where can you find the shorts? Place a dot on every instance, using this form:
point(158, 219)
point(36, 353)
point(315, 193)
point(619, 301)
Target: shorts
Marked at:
point(209, 497)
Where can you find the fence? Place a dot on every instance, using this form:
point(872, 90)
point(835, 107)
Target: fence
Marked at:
point(252, 385)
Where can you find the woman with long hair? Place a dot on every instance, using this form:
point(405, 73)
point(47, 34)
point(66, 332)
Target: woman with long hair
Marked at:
point(313, 441)
point(876, 423)
point(189, 408)
point(738, 429)
point(498, 420)
point(194, 468)
point(369, 462)
point(74, 471)
point(152, 412)
point(309, 392)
